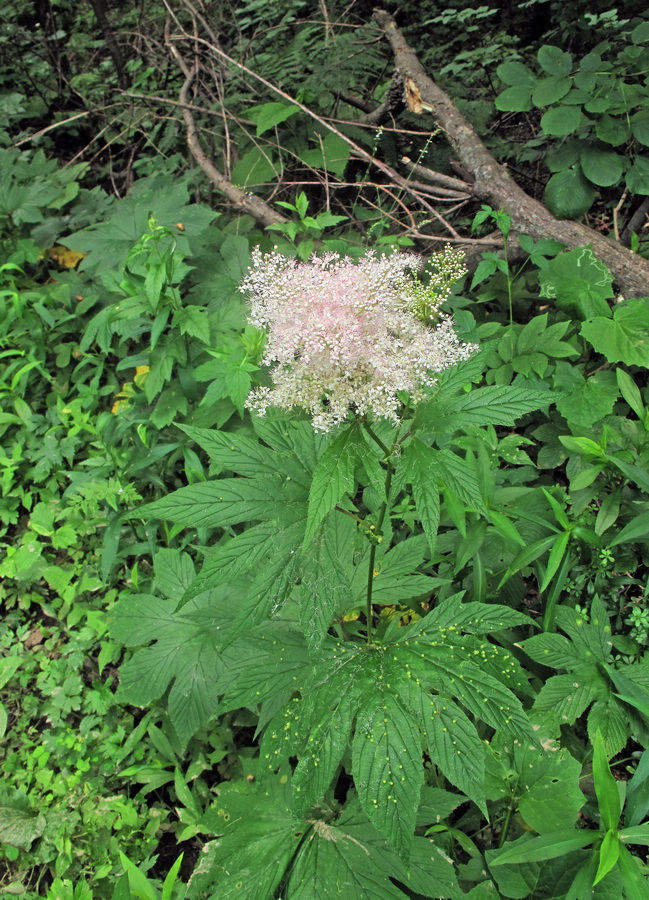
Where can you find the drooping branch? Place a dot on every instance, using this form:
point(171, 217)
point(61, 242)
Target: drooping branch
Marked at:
point(494, 184)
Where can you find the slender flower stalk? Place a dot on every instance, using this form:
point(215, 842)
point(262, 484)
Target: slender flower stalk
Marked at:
point(347, 335)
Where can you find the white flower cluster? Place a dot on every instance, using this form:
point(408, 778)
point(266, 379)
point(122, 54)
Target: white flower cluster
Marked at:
point(345, 335)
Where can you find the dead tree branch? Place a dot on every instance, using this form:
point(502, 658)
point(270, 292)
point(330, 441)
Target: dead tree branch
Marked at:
point(494, 184)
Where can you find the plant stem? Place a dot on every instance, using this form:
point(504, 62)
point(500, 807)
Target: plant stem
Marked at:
point(505, 829)
point(375, 540)
point(377, 440)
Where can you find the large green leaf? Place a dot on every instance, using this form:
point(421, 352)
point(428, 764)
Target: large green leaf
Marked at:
point(174, 572)
point(545, 880)
point(228, 501)
point(418, 469)
point(184, 654)
point(493, 405)
point(637, 178)
point(332, 864)
point(454, 745)
point(567, 696)
point(387, 765)
point(559, 121)
point(325, 577)
point(258, 836)
point(602, 166)
point(624, 337)
point(333, 477)
point(568, 194)
point(542, 780)
point(579, 281)
point(20, 824)
point(554, 60)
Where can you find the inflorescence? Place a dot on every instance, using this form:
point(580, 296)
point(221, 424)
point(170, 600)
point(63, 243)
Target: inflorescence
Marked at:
point(348, 335)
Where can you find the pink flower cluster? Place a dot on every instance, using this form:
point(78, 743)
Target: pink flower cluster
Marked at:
point(345, 335)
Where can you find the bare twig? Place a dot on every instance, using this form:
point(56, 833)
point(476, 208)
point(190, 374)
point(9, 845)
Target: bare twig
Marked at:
point(247, 203)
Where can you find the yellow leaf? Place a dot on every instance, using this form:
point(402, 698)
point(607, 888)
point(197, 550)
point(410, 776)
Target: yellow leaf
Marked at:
point(140, 375)
point(64, 256)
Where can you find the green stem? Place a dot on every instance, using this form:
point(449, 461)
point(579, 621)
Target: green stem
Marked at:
point(377, 440)
point(506, 824)
point(375, 540)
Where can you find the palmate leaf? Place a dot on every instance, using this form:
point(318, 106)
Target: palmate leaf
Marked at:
point(333, 477)
point(429, 871)
point(544, 783)
point(270, 663)
point(184, 654)
point(325, 577)
point(174, 572)
point(331, 865)
point(396, 577)
point(418, 463)
point(453, 744)
point(388, 772)
point(228, 501)
point(315, 727)
point(493, 405)
point(440, 666)
point(258, 837)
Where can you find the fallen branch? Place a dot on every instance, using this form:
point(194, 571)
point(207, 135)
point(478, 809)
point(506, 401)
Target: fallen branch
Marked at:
point(493, 183)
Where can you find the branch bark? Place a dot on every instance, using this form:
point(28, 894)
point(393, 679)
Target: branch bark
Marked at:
point(494, 184)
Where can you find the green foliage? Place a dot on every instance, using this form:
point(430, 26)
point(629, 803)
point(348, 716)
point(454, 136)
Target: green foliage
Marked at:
point(596, 109)
point(239, 658)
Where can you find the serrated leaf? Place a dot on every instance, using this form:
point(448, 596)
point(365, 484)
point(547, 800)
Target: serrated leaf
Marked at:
point(174, 572)
point(271, 663)
point(461, 477)
point(417, 462)
point(184, 654)
point(552, 650)
point(358, 875)
point(387, 766)
point(609, 717)
point(325, 577)
point(493, 405)
point(227, 501)
point(333, 477)
point(447, 671)
point(249, 860)
point(588, 400)
point(542, 779)
point(329, 731)
point(470, 618)
point(567, 696)
point(454, 745)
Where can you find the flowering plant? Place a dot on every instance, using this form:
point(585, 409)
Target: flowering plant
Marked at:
point(346, 335)
point(320, 607)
